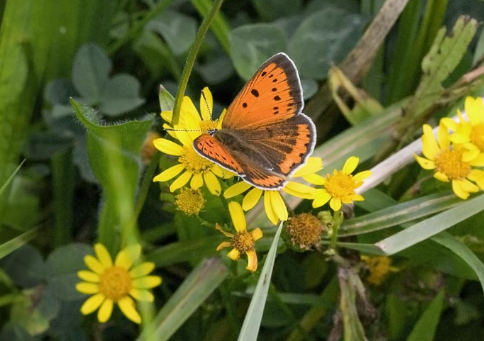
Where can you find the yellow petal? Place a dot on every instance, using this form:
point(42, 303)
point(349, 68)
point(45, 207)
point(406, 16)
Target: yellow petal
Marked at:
point(127, 256)
point(475, 109)
point(429, 144)
point(183, 135)
point(252, 261)
point(459, 191)
point(212, 183)
point(206, 104)
point(126, 305)
point(197, 181)
point(169, 173)
point(223, 245)
point(87, 288)
point(181, 181)
point(222, 172)
point(251, 199)
point(441, 177)
point(350, 165)
point(93, 264)
point(478, 161)
point(142, 295)
point(322, 197)
point(142, 270)
point(236, 189)
point(424, 163)
point(88, 276)
point(278, 205)
point(315, 179)
point(92, 303)
point(189, 116)
point(300, 190)
point(146, 282)
point(168, 147)
point(105, 311)
point(234, 254)
point(459, 138)
point(256, 234)
point(238, 217)
point(449, 123)
point(313, 165)
point(335, 204)
point(443, 137)
point(167, 115)
point(271, 215)
point(362, 176)
point(103, 255)
point(357, 197)
point(470, 155)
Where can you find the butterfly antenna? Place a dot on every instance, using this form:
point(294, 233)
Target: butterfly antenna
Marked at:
point(171, 129)
point(206, 103)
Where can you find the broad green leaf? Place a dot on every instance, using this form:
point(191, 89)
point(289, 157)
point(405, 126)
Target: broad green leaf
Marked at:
point(426, 326)
point(253, 318)
point(323, 39)
point(120, 95)
point(430, 227)
point(90, 72)
point(114, 155)
point(62, 267)
point(201, 282)
point(252, 44)
point(25, 266)
point(274, 9)
point(177, 29)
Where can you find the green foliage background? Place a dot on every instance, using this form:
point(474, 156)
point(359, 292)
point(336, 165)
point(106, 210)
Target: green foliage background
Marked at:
point(79, 91)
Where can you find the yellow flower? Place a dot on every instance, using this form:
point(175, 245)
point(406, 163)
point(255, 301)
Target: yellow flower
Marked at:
point(304, 230)
point(450, 163)
point(190, 201)
point(116, 283)
point(242, 241)
point(469, 133)
point(274, 205)
point(378, 267)
point(196, 169)
point(339, 188)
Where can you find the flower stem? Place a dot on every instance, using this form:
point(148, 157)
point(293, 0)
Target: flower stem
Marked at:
point(337, 221)
point(192, 54)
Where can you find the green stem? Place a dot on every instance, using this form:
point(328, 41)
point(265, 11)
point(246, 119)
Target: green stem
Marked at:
point(192, 54)
point(337, 220)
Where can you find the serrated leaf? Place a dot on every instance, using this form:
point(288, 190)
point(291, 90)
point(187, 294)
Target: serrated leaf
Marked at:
point(322, 39)
point(177, 29)
point(120, 95)
point(90, 72)
point(252, 44)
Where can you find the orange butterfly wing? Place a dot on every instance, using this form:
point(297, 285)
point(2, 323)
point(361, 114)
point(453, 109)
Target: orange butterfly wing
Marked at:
point(264, 135)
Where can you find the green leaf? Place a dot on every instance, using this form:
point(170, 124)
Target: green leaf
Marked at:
point(426, 326)
point(270, 10)
point(114, 155)
point(252, 44)
point(167, 101)
point(10, 179)
point(90, 72)
point(25, 266)
point(17, 242)
point(461, 250)
point(62, 266)
point(201, 282)
point(177, 29)
point(120, 95)
point(430, 227)
point(323, 39)
point(253, 318)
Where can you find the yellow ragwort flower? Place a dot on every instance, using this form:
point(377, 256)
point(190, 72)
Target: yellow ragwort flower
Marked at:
point(304, 230)
point(274, 205)
point(196, 169)
point(242, 241)
point(116, 283)
point(339, 188)
point(378, 268)
point(449, 162)
point(469, 133)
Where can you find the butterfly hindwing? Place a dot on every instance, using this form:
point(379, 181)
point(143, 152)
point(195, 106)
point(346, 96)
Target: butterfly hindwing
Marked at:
point(210, 148)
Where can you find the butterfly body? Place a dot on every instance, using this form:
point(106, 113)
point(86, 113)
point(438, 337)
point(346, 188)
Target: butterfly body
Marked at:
point(264, 137)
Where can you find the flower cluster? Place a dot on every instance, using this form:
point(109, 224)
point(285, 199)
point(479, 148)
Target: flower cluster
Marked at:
point(457, 154)
point(195, 171)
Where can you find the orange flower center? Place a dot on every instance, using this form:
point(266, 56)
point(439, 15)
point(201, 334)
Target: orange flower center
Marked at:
point(477, 135)
point(340, 185)
point(115, 283)
point(450, 163)
point(243, 242)
point(193, 162)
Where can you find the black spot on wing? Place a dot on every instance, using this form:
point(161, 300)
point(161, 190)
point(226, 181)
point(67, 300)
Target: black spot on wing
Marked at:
point(254, 92)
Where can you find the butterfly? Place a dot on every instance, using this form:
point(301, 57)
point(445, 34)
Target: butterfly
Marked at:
point(264, 136)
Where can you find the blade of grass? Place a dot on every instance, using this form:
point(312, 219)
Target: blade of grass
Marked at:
point(15, 243)
point(252, 321)
point(430, 227)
